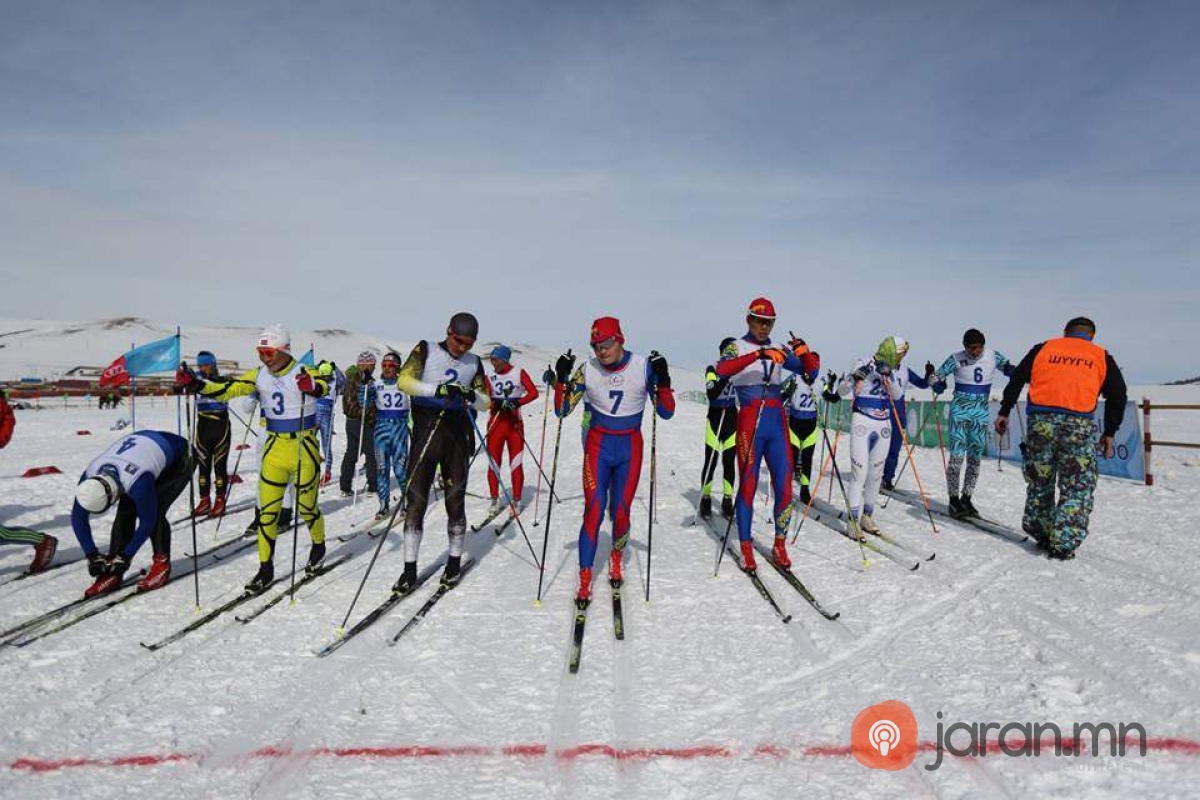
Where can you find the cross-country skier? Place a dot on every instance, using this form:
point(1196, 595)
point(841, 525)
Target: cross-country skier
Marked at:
point(614, 385)
point(509, 389)
point(444, 381)
point(212, 440)
point(286, 391)
point(44, 545)
point(973, 369)
point(1065, 377)
point(141, 474)
point(802, 422)
point(336, 382)
point(391, 431)
point(720, 438)
point(754, 364)
point(875, 384)
point(360, 423)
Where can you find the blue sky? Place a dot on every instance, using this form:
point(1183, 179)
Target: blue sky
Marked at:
point(875, 168)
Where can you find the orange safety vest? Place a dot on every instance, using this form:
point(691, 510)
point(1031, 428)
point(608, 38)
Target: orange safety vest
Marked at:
point(1067, 374)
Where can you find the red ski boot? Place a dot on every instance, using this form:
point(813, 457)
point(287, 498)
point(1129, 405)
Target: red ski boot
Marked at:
point(748, 562)
point(614, 566)
point(780, 554)
point(204, 506)
point(160, 573)
point(218, 507)
point(43, 554)
point(110, 580)
point(584, 594)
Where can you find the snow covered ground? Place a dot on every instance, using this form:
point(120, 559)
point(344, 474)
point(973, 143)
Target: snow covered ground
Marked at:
point(708, 696)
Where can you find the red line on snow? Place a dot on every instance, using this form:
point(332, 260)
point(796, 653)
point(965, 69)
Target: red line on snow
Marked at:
point(531, 750)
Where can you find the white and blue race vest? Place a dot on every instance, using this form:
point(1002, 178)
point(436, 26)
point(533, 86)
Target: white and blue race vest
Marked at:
point(441, 367)
point(390, 402)
point(975, 375)
point(802, 404)
point(616, 398)
point(281, 401)
point(507, 386)
point(134, 456)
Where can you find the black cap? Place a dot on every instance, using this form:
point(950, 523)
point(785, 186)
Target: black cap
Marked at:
point(728, 340)
point(465, 325)
point(1081, 322)
point(973, 337)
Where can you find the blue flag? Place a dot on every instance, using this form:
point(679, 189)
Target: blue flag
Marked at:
point(308, 359)
point(160, 356)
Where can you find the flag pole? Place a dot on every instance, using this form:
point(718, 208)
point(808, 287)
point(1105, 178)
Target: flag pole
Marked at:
point(132, 398)
point(178, 397)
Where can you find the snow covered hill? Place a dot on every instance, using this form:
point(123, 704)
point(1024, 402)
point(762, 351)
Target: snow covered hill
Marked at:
point(708, 695)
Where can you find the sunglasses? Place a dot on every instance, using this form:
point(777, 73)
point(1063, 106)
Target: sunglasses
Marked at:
point(605, 344)
point(761, 321)
point(391, 364)
point(269, 352)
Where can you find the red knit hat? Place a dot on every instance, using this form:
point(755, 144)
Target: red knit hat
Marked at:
point(607, 328)
point(761, 307)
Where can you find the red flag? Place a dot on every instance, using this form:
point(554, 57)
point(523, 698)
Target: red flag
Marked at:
point(115, 374)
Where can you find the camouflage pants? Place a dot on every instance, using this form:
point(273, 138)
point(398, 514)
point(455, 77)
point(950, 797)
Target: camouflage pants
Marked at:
point(1059, 448)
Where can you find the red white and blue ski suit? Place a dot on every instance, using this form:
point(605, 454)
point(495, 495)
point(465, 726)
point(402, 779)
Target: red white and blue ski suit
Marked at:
point(615, 398)
point(757, 380)
point(509, 391)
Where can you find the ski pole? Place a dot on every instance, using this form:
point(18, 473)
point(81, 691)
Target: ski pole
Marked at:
point(537, 494)
point(712, 457)
point(238, 417)
point(908, 450)
point(541, 472)
point(830, 456)
point(549, 511)
point(391, 521)
point(653, 482)
point(192, 425)
point(904, 466)
point(500, 480)
point(362, 430)
point(296, 499)
point(236, 464)
point(749, 461)
point(851, 520)
point(937, 417)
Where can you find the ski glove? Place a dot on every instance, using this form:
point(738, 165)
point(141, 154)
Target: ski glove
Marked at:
point(185, 378)
point(929, 369)
point(939, 387)
point(305, 383)
point(455, 392)
point(564, 367)
point(883, 368)
point(548, 377)
point(799, 347)
point(658, 368)
point(860, 374)
point(772, 354)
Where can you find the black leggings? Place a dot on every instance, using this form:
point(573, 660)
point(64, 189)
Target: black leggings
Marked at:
point(802, 455)
point(167, 488)
point(212, 452)
point(438, 441)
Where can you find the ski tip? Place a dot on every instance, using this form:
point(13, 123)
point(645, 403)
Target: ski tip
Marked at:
point(932, 556)
point(915, 567)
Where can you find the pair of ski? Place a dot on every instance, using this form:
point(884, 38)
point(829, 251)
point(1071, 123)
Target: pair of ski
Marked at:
point(244, 597)
point(784, 572)
point(55, 566)
point(577, 630)
point(393, 600)
point(490, 518)
point(996, 529)
point(36, 628)
point(838, 521)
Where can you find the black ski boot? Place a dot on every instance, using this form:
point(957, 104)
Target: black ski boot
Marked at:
point(262, 579)
point(956, 508)
point(450, 575)
point(408, 579)
point(805, 496)
point(887, 486)
point(726, 508)
point(383, 513)
point(969, 509)
point(316, 559)
point(706, 507)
